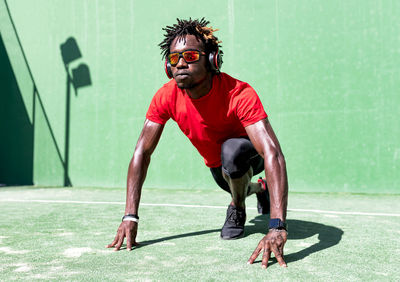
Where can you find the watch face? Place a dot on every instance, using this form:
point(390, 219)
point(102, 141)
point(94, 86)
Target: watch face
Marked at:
point(276, 223)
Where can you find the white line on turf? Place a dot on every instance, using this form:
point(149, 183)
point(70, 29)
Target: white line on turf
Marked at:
point(196, 206)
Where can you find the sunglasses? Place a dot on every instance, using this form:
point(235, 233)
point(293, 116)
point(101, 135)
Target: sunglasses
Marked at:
point(190, 56)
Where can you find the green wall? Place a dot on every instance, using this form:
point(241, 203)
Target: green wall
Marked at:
point(327, 72)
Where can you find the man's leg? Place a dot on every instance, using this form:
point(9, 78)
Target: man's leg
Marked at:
point(251, 158)
point(239, 187)
point(257, 164)
point(238, 158)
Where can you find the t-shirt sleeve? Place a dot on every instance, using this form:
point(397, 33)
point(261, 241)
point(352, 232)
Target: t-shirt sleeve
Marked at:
point(249, 108)
point(159, 110)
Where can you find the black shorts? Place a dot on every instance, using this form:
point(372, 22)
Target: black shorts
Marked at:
point(237, 155)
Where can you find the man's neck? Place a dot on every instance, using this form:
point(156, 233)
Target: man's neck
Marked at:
point(200, 89)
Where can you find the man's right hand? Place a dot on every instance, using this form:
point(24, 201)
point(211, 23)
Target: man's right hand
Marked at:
point(126, 229)
point(273, 242)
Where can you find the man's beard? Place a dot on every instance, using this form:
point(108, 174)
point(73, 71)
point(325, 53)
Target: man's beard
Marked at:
point(192, 84)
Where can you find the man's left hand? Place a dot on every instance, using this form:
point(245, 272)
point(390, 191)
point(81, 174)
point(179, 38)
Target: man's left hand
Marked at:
point(274, 242)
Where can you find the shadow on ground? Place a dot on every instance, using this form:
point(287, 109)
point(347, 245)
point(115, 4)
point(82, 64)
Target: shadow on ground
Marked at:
point(177, 236)
point(328, 236)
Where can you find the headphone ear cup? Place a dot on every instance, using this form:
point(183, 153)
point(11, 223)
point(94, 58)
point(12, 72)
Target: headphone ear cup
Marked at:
point(167, 68)
point(215, 61)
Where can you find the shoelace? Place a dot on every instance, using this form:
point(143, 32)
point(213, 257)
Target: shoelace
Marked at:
point(233, 216)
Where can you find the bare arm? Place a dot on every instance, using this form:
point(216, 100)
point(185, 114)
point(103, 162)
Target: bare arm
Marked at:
point(267, 145)
point(137, 171)
point(263, 138)
point(139, 164)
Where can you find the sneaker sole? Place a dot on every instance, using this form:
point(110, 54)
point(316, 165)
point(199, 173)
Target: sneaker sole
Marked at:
point(232, 238)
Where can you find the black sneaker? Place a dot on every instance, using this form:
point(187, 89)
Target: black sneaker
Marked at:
point(234, 223)
point(263, 198)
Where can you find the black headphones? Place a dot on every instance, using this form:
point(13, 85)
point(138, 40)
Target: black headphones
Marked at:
point(214, 58)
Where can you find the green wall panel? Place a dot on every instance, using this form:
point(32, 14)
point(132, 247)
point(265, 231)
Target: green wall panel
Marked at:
point(326, 71)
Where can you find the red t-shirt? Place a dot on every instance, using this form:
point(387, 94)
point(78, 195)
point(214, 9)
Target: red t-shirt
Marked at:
point(223, 113)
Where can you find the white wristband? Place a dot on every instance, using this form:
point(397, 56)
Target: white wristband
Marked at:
point(131, 219)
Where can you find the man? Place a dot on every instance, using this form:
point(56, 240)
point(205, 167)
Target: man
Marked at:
point(225, 120)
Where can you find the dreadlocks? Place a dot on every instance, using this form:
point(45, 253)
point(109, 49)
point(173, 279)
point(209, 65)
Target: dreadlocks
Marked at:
point(197, 28)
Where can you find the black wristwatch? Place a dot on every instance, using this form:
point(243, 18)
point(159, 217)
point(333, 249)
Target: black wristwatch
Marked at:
point(276, 223)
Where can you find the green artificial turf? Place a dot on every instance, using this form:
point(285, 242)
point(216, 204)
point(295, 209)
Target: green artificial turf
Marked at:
point(61, 233)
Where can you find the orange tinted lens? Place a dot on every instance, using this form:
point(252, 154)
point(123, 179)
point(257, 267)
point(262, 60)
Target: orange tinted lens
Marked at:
point(191, 56)
point(173, 58)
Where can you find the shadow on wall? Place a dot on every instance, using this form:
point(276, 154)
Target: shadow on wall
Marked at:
point(16, 129)
point(80, 78)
